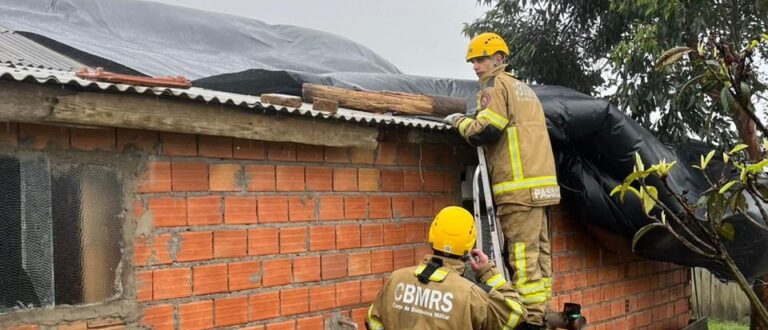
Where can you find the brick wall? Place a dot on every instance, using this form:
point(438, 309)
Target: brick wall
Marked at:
point(237, 233)
point(616, 292)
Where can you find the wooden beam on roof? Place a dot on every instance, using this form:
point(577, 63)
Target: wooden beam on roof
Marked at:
point(27, 102)
point(181, 116)
point(413, 104)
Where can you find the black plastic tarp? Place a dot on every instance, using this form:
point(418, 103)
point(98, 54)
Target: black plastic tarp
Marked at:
point(594, 143)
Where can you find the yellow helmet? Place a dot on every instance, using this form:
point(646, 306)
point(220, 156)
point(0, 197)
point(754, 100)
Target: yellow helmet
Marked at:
point(486, 44)
point(453, 231)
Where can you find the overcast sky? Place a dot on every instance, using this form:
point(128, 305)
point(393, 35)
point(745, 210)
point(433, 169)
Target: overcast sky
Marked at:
point(420, 37)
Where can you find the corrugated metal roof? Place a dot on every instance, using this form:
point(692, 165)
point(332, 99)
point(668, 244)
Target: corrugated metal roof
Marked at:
point(62, 77)
point(20, 51)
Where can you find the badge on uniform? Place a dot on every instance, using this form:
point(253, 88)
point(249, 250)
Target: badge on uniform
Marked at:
point(485, 100)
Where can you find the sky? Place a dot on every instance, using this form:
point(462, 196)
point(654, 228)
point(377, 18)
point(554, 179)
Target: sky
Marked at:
point(419, 37)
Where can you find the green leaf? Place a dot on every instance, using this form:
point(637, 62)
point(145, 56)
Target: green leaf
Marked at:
point(672, 56)
point(727, 231)
point(690, 81)
point(705, 160)
point(725, 157)
point(646, 192)
point(737, 148)
point(615, 190)
point(726, 99)
point(727, 186)
point(639, 167)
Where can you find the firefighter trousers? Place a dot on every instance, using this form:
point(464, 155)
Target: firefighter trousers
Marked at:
point(526, 231)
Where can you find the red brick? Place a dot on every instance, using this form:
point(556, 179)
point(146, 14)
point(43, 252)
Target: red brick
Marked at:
point(386, 154)
point(281, 151)
point(331, 208)
point(43, 136)
point(204, 210)
point(344, 179)
point(231, 311)
point(336, 155)
point(294, 301)
point(215, 146)
point(195, 246)
point(9, 134)
point(159, 251)
point(355, 207)
point(309, 153)
point(70, 326)
point(392, 180)
point(381, 261)
point(394, 233)
point(293, 239)
point(244, 275)
point(230, 244)
point(260, 177)
point(362, 156)
point(248, 149)
point(273, 209)
point(442, 202)
point(347, 293)
point(451, 181)
point(224, 177)
point(334, 266)
point(306, 269)
point(359, 263)
point(347, 236)
point(379, 207)
point(168, 212)
point(301, 208)
point(277, 272)
point(407, 154)
point(209, 279)
point(322, 238)
point(433, 181)
point(309, 323)
point(140, 140)
point(413, 180)
point(319, 178)
point(290, 178)
point(402, 258)
point(174, 144)
point(186, 176)
point(158, 317)
point(358, 316)
point(264, 306)
point(144, 286)
point(368, 179)
point(239, 210)
point(322, 298)
point(415, 232)
point(369, 289)
point(372, 235)
point(285, 325)
point(196, 315)
point(171, 283)
point(263, 241)
point(402, 207)
point(422, 207)
point(421, 251)
point(93, 139)
point(156, 178)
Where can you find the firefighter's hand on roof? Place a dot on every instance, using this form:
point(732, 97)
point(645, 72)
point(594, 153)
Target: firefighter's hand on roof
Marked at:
point(450, 119)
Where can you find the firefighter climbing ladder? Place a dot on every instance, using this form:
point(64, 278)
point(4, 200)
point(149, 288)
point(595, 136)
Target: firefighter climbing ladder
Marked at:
point(486, 217)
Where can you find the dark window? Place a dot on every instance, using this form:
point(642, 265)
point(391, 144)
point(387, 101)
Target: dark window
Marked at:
point(62, 233)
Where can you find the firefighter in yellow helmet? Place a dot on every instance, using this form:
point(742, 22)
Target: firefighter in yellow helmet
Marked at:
point(509, 124)
point(434, 295)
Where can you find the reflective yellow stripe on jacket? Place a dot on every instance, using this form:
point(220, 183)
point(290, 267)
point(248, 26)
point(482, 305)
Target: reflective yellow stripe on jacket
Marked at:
point(519, 182)
point(373, 324)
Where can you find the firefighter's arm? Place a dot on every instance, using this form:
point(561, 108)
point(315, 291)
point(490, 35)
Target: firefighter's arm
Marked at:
point(489, 123)
point(504, 307)
point(373, 319)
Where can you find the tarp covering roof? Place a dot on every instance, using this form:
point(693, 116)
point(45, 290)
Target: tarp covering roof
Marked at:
point(594, 142)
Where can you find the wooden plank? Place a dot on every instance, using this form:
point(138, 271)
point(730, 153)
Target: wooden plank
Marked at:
point(413, 104)
point(325, 105)
point(145, 112)
point(27, 102)
point(281, 99)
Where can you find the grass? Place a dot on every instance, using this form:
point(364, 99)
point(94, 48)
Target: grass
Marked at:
point(726, 325)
